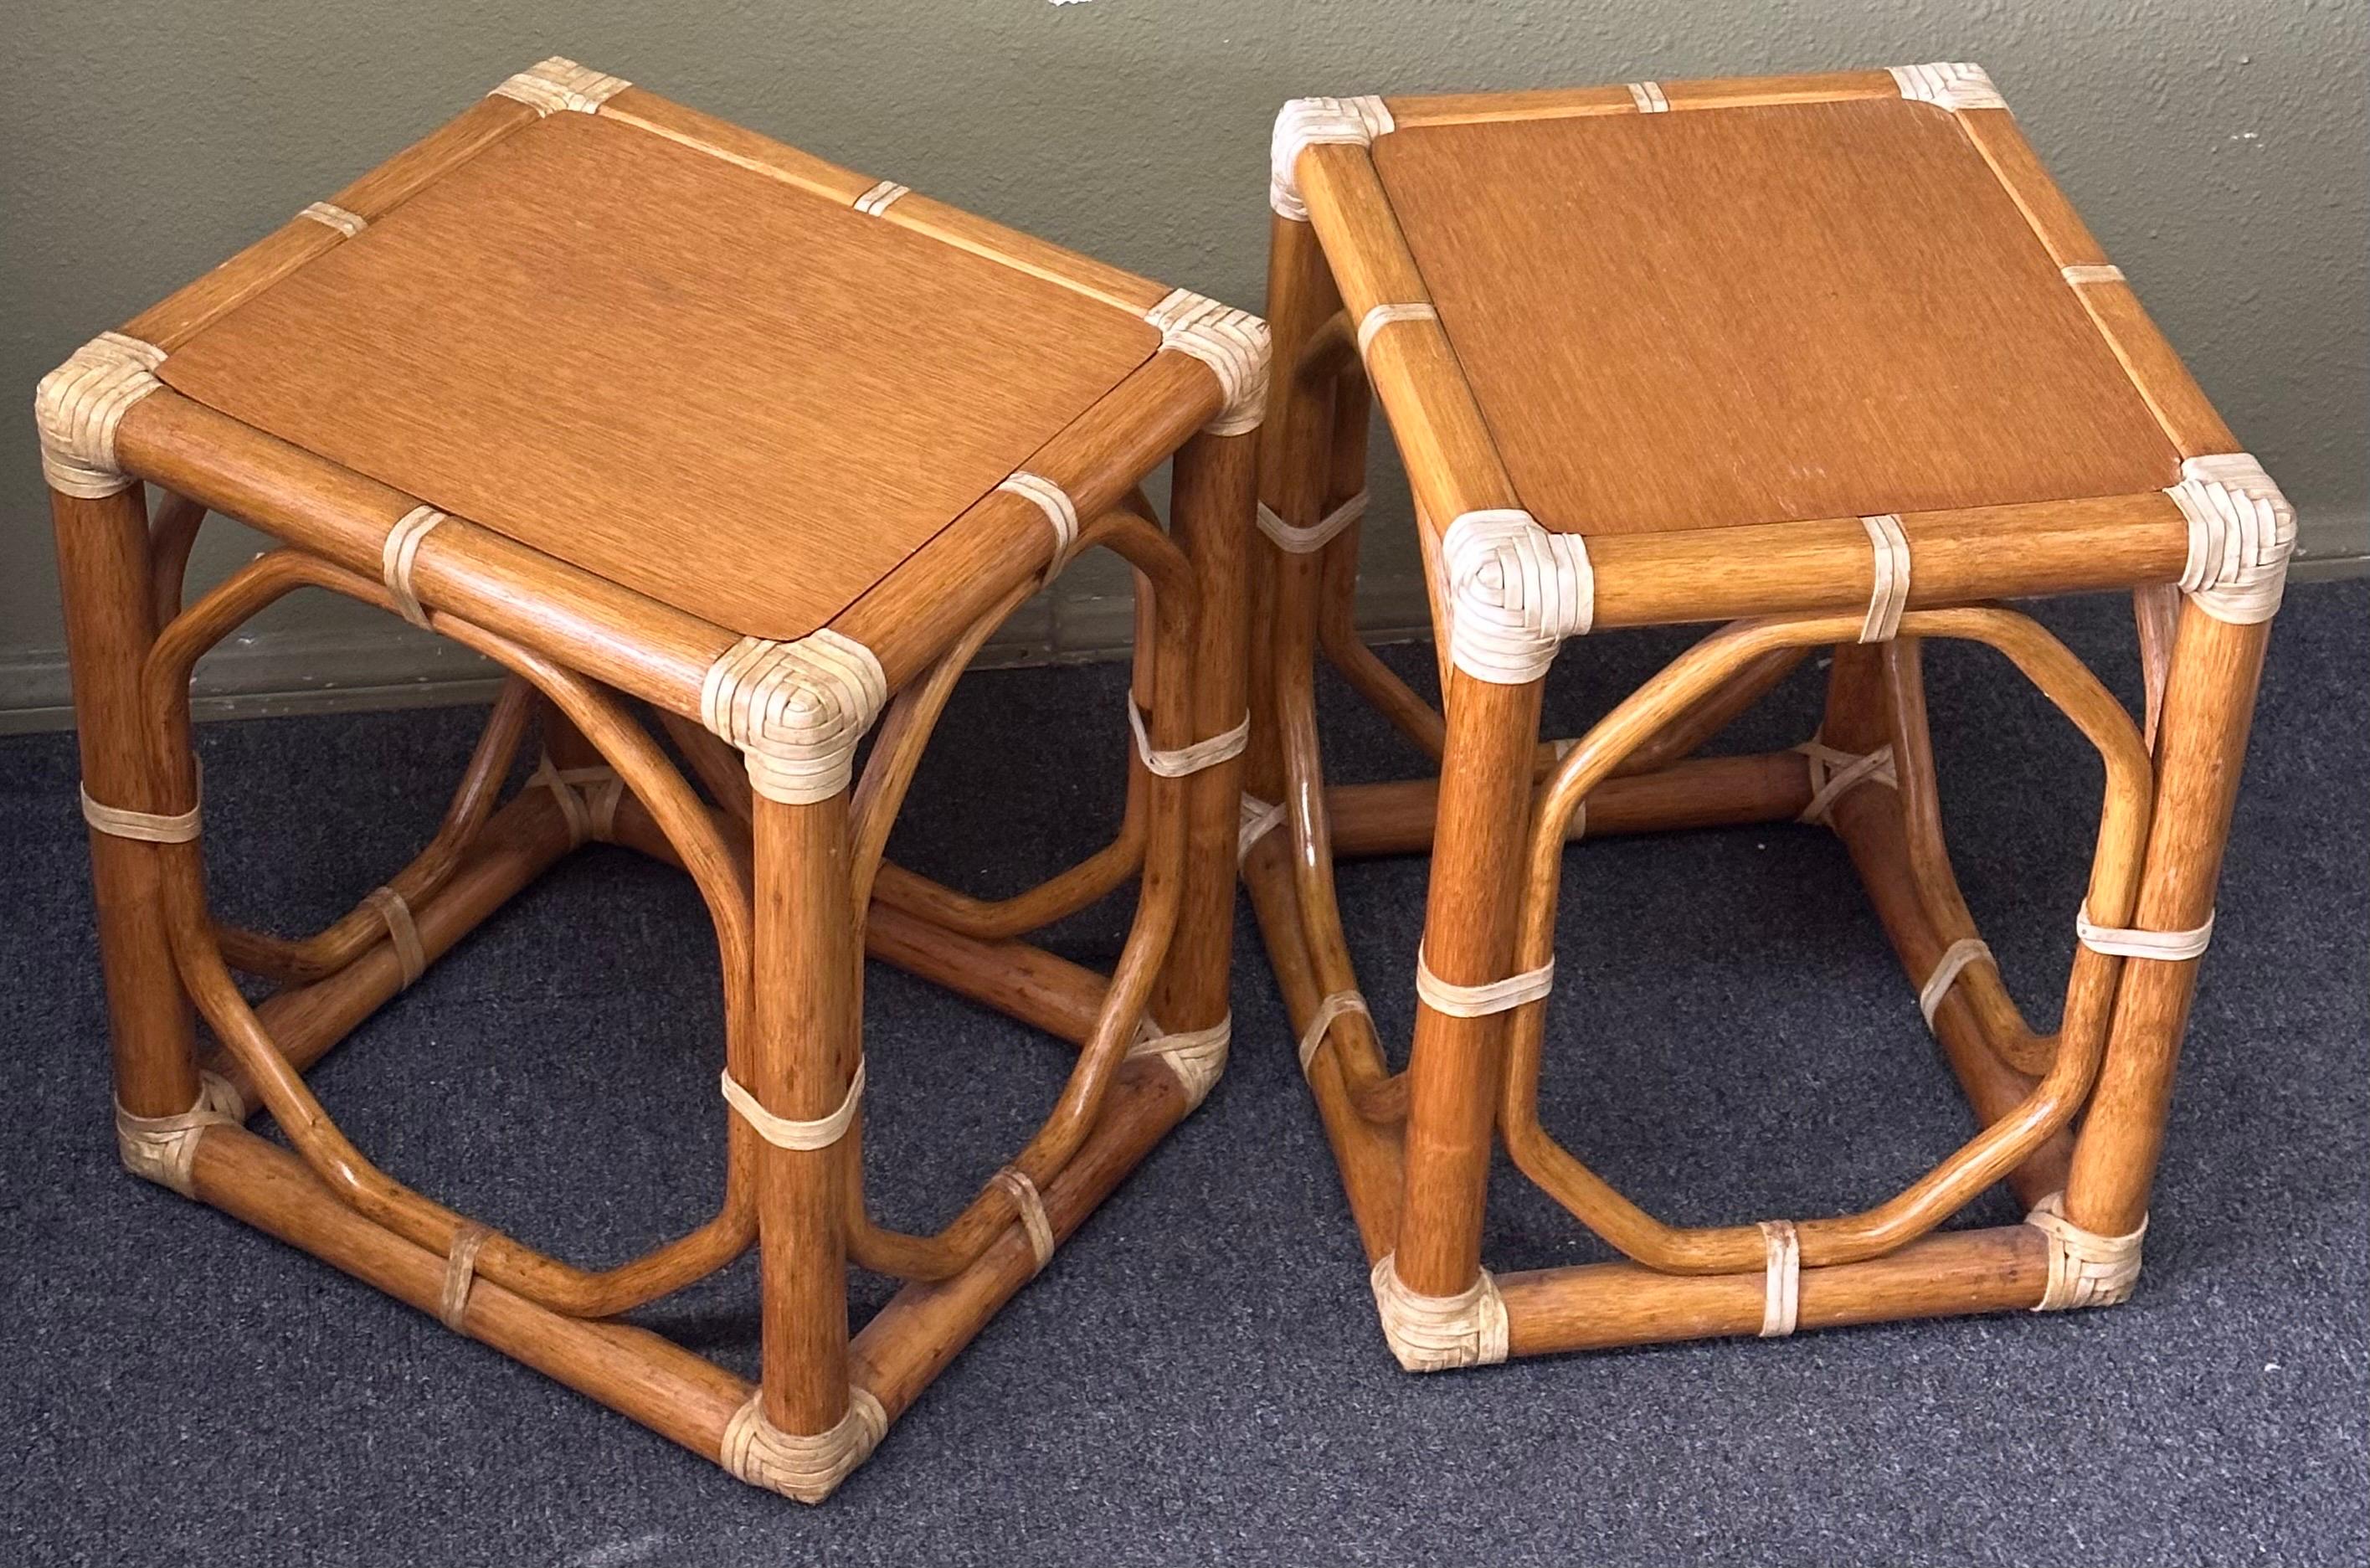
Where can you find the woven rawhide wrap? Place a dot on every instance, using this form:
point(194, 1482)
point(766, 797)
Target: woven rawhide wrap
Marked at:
point(1514, 593)
point(78, 405)
point(1233, 343)
point(164, 1149)
point(2241, 532)
point(1437, 1334)
point(1198, 1056)
point(2086, 1269)
point(806, 1467)
point(1304, 122)
point(1951, 85)
point(553, 86)
point(796, 710)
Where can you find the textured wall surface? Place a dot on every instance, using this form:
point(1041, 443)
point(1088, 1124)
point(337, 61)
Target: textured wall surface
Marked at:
point(2216, 149)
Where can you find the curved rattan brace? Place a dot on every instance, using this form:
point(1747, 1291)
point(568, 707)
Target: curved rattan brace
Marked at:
point(796, 710)
point(1305, 122)
point(164, 1149)
point(1781, 1297)
point(78, 405)
point(1059, 509)
point(2086, 272)
point(1513, 592)
point(1187, 760)
point(588, 797)
point(400, 552)
point(2086, 1269)
point(1481, 1001)
point(460, 1273)
point(1233, 343)
point(1951, 85)
point(1888, 593)
point(401, 930)
point(1198, 1056)
point(147, 827)
point(803, 1467)
point(2124, 941)
point(783, 1132)
point(1034, 1223)
point(1320, 1024)
point(1438, 1333)
point(1648, 97)
point(1292, 539)
point(1382, 315)
point(550, 86)
point(875, 201)
point(1259, 818)
point(336, 217)
point(1834, 774)
point(1947, 968)
point(2241, 532)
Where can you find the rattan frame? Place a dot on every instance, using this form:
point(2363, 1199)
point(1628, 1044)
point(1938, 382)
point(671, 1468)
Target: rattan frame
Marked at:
point(1350, 309)
point(789, 857)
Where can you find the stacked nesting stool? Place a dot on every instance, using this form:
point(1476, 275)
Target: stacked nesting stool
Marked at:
point(651, 410)
point(1830, 361)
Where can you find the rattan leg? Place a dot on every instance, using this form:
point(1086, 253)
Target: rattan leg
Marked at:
point(104, 578)
point(810, 1428)
point(2201, 748)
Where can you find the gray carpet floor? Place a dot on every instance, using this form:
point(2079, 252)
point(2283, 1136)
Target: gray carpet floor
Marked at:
point(1197, 1377)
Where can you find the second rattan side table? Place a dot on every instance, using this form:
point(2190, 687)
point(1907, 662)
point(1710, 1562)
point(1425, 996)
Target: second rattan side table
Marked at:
point(1829, 358)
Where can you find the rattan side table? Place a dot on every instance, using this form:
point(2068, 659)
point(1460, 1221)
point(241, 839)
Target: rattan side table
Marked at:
point(651, 409)
point(1829, 358)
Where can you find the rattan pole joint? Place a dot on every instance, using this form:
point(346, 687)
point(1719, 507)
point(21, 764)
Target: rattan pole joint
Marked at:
point(1198, 1056)
point(1034, 1222)
point(1060, 510)
point(1294, 539)
point(460, 1273)
point(1782, 1300)
point(2084, 273)
point(875, 201)
point(1259, 818)
point(78, 406)
point(147, 827)
point(1947, 970)
point(1438, 1333)
point(2086, 1269)
point(1305, 122)
point(796, 710)
point(394, 914)
point(1320, 1023)
point(1382, 316)
point(1649, 97)
point(553, 86)
point(1888, 593)
point(1233, 343)
point(346, 223)
point(1513, 592)
point(1834, 774)
point(401, 553)
point(2241, 532)
point(1481, 1001)
point(1185, 761)
point(2124, 941)
point(1950, 85)
point(588, 797)
point(784, 1132)
point(164, 1149)
point(806, 1467)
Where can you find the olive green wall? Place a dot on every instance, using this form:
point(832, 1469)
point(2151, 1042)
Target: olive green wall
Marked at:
point(2217, 149)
